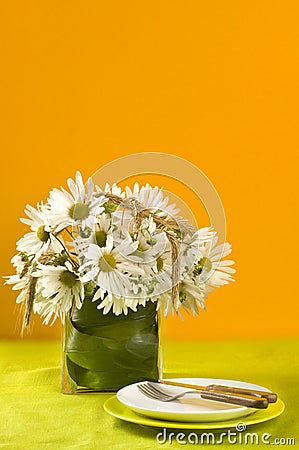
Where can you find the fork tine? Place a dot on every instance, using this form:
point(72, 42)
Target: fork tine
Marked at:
point(148, 393)
point(146, 389)
point(144, 392)
point(157, 391)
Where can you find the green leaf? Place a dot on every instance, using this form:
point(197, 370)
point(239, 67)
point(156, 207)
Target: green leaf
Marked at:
point(106, 352)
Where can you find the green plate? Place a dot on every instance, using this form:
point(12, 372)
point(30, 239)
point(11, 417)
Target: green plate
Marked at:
point(113, 407)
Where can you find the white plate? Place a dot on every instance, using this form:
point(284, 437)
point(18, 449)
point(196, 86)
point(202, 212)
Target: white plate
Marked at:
point(191, 407)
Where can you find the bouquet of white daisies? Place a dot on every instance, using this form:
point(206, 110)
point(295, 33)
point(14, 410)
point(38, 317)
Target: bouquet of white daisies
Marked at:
point(118, 248)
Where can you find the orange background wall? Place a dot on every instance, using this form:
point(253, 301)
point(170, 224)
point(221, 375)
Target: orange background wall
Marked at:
point(214, 82)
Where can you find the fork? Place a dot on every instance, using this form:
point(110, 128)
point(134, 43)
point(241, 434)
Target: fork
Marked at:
point(153, 392)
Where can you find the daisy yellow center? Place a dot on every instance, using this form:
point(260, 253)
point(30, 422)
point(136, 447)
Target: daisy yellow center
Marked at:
point(67, 278)
point(41, 234)
point(107, 263)
point(204, 263)
point(160, 264)
point(101, 238)
point(79, 211)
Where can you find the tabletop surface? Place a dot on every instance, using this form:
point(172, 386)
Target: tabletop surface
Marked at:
point(35, 415)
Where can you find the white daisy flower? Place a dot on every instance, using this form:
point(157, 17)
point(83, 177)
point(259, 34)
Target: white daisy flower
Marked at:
point(79, 207)
point(114, 189)
point(18, 283)
point(39, 239)
point(151, 244)
point(61, 288)
point(191, 298)
point(165, 302)
point(191, 249)
point(211, 271)
point(152, 199)
point(109, 207)
point(164, 260)
point(102, 229)
point(110, 269)
point(98, 236)
point(208, 272)
point(117, 304)
point(21, 280)
point(47, 310)
point(191, 295)
point(21, 263)
point(121, 305)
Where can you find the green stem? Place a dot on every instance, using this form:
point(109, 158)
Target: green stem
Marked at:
point(75, 264)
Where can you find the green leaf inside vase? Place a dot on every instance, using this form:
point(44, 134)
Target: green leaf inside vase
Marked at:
point(107, 352)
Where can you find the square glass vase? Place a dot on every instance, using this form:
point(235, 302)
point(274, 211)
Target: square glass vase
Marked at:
point(105, 352)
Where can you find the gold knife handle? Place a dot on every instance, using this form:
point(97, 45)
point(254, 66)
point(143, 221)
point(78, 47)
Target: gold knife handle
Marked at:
point(270, 396)
point(236, 399)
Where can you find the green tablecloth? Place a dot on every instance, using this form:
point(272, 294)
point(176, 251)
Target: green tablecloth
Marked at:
point(35, 415)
